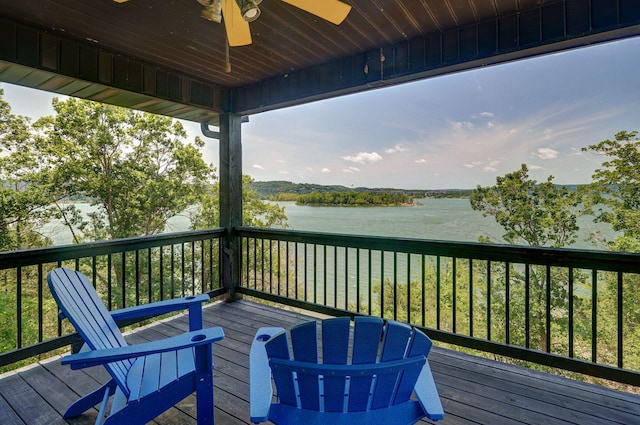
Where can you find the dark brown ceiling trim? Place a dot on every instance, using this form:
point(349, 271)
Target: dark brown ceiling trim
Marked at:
point(57, 54)
point(553, 26)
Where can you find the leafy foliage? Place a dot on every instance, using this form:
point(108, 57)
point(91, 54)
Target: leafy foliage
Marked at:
point(537, 214)
point(615, 190)
point(358, 199)
point(135, 166)
point(24, 207)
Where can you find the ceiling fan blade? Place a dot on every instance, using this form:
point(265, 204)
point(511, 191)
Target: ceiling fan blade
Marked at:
point(121, 1)
point(330, 10)
point(238, 32)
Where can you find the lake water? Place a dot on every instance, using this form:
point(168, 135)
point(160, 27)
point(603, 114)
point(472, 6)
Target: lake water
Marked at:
point(439, 219)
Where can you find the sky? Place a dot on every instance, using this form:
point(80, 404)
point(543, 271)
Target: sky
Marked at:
point(456, 131)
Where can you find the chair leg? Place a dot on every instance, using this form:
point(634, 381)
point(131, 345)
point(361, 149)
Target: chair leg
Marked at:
point(88, 401)
point(204, 384)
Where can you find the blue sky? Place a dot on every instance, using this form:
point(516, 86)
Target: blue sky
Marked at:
point(456, 131)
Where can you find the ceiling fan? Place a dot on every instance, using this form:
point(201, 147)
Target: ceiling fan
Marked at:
point(238, 13)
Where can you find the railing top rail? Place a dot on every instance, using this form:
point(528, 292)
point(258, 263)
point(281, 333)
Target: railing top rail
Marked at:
point(561, 257)
point(12, 259)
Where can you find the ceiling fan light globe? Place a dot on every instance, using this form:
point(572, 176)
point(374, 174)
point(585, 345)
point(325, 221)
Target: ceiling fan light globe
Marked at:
point(249, 10)
point(251, 14)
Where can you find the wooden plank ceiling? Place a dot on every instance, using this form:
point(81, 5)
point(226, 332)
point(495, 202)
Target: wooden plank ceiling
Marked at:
point(160, 55)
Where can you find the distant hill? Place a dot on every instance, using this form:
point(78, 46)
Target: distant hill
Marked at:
point(270, 190)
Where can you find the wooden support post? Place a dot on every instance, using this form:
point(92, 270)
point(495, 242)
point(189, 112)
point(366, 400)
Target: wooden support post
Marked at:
point(230, 200)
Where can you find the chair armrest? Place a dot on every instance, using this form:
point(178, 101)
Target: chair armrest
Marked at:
point(193, 303)
point(427, 394)
point(108, 355)
point(260, 390)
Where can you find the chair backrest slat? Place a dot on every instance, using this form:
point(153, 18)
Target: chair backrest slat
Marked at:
point(335, 350)
point(79, 302)
point(278, 347)
point(366, 341)
point(394, 347)
point(304, 341)
point(339, 389)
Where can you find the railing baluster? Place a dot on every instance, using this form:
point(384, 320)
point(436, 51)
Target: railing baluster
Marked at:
point(358, 280)
point(471, 309)
point(40, 302)
point(527, 305)
point(109, 290)
point(548, 309)
point(395, 285)
point(346, 279)
point(594, 316)
point(489, 289)
point(19, 307)
point(454, 294)
point(193, 269)
point(570, 308)
point(161, 272)
point(335, 276)
point(620, 318)
point(507, 307)
point(137, 267)
point(183, 276)
point(278, 266)
point(408, 283)
point(369, 283)
point(173, 271)
point(438, 293)
point(382, 284)
point(123, 273)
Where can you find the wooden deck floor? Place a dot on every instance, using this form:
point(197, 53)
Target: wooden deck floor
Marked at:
point(473, 390)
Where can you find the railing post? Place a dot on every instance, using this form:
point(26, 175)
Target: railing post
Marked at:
point(230, 200)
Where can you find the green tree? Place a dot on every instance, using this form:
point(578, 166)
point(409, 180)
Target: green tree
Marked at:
point(23, 205)
point(135, 166)
point(537, 214)
point(615, 190)
point(615, 197)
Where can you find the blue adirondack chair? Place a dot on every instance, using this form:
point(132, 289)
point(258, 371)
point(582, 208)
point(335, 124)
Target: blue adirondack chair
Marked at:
point(362, 377)
point(146, 379)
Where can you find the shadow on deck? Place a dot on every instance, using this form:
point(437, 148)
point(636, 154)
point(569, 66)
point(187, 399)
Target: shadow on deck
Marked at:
point(473, 390)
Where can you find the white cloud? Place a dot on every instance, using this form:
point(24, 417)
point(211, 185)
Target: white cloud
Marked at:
point(421, 161)
point(534, 167)
point(546, 153)
point(469, 165)
point(363, 157)
point(462, 125)
point(396, 148)
point(484, 115)
point(283, 172)
point(489, 169)
point(326, 170)
point(258, 166)
point(350, 170)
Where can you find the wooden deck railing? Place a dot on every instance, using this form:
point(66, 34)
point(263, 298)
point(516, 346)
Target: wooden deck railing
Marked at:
point(126, 272)
point(572, 309)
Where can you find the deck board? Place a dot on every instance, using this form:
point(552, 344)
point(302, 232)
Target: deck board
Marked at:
point(473, 390)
